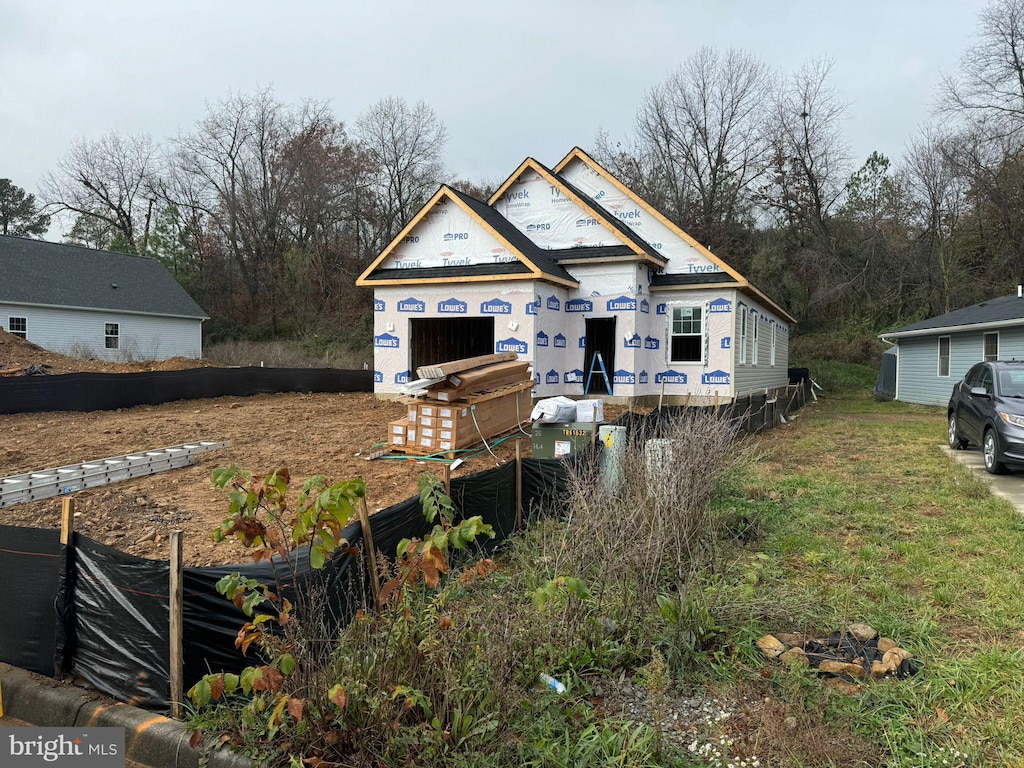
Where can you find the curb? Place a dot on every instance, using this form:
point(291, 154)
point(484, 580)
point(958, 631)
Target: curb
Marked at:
point(150, 739)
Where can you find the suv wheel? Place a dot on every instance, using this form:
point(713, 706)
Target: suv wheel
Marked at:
point(990, 450)
point(955, 441)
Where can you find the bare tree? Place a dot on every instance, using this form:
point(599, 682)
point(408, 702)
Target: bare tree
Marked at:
point(810, 161)
point(111, 180)
point(940, 193)
point(989, 89)
point(270, 187)
point(406, 146)
point(703, 136)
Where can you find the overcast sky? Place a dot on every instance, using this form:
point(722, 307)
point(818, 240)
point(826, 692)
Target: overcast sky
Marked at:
point(509, 79)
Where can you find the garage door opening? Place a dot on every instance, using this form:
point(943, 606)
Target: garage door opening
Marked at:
point(440, 339)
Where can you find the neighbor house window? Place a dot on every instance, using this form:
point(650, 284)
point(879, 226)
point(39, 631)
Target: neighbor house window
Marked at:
point(754, 336)
point(991, 346)
point(18, 326)
point(112, 333)
point(686, 343)
point(943, 355)
point(743, 333)
point(771, 350)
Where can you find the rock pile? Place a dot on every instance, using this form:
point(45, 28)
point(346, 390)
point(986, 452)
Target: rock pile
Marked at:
point(855, 654)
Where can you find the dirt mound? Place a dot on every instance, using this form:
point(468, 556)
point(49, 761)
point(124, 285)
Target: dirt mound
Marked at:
point(16, 352)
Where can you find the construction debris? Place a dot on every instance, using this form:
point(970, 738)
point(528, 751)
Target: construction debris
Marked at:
point(45, 483)
point(38, 369)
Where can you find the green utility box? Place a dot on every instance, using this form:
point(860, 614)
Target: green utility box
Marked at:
point(550, 441)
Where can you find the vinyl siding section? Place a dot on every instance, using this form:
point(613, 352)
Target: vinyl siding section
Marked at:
point(748, 376)
point(81, 333)
point(917, 379)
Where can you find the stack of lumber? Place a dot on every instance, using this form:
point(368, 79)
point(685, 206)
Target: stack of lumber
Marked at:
point(462, 403)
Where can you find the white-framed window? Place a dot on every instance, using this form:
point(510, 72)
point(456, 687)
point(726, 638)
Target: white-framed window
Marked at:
point(943, 367)
point(18, 326)
point(112, 335)
point(686, 335)
point(743, 332)
point(754, 337)
point(771, 349)
point(990, 346)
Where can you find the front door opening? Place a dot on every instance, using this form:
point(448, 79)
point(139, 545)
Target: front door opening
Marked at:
point(441, 339)
point(600, 338)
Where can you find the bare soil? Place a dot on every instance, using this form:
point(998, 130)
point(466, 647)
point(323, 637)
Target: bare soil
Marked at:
point(16, 353)
point(319, 434)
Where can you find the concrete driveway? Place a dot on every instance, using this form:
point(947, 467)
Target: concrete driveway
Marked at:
point(1010, 487)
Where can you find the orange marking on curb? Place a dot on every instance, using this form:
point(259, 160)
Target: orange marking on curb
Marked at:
point(151, 721)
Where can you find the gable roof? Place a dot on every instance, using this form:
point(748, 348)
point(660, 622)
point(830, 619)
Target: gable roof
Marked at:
point(535, 262)
point(741, 282)
point(994, 313)
point(633, 243)
point(40, 273)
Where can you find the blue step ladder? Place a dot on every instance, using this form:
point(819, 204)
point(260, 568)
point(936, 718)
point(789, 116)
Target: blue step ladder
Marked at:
point(597, 362)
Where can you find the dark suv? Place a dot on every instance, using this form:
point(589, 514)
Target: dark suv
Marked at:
point(987, 409)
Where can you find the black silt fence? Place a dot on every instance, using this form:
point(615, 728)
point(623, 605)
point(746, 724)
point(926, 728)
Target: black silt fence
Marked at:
point(29, 577)
point(110, 391)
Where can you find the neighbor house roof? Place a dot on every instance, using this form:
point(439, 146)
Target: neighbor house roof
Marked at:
point(39, 273)
point(994, 313)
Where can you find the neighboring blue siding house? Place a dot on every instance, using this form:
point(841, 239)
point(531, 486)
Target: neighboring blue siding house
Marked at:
point(932, 355)
point(88, 303)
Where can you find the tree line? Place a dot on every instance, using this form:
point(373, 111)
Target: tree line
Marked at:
point(266, 211)
point(754, 165)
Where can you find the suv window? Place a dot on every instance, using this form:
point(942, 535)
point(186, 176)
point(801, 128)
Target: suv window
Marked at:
point(986, 379)
point(973, 376)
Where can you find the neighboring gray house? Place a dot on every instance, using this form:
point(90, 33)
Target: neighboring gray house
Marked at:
point(932, 355)
point(84, 302)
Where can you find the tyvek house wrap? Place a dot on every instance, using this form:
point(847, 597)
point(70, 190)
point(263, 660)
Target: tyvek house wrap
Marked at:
point(549, 218)
point(683, 257)
point(447, 236)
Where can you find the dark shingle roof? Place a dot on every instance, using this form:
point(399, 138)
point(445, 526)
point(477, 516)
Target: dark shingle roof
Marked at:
point(992, 311)
point(506, 268)
point(517, 239)
point(53, 274)
point(588, 252)
point(696, 278)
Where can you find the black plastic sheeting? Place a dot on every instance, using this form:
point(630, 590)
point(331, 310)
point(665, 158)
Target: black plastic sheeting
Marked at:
point(109, 391)
point(121, 621)
point(211, 622)
point(29, 566)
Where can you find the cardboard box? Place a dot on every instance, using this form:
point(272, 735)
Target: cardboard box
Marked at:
point(590, 410)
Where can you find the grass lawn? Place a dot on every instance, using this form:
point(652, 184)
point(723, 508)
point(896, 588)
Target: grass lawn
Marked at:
point(862, 518)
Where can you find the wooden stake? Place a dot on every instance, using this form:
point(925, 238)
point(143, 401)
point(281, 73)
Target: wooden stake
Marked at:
point(369, 549)
point(67, 520)
point(448, 479)
point(519, 484)
point(175, 638)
